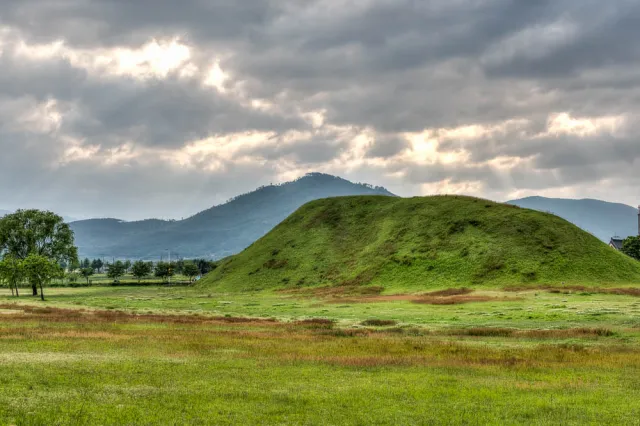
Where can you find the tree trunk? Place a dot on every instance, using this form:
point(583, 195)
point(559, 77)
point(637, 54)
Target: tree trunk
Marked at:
point(17, 294)
point(34, 287)
point(11, 287)
point(41, 292)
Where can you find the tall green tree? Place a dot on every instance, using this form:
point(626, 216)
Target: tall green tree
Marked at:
point(40, 270)
point(141, 270)
point(115, 270)
point(190, 270)
point(12, 271)
point(631, 247)
point(87, 273)
point(163, 270)
point(37, 233)
point(97, 265)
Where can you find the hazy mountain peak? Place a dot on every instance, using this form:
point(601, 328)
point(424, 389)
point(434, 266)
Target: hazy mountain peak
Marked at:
point(218, 231)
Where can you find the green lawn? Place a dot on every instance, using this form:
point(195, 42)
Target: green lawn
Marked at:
point(158, 355)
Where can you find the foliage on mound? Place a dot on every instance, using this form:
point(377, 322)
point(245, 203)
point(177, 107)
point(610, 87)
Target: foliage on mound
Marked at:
point(415, 243)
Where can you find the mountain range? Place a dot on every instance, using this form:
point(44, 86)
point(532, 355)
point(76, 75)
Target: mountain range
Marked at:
point(602, 219)
point(214, 233)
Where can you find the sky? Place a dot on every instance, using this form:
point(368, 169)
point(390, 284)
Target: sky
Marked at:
point(159, 108)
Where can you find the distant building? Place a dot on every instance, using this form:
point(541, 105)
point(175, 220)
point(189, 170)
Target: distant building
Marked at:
point(617, 242)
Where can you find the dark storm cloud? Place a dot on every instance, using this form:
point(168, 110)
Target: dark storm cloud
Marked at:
point(383, 67)
point(91, 23)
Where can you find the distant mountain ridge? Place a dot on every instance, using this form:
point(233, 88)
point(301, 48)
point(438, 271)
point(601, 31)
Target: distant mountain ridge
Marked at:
point(600, 218)
point(217, 232)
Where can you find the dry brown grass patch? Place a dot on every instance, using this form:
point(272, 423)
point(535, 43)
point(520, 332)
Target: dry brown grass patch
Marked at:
point(378, 323)
point(569, 289)
point(315, 323)
point(535, 334)
point(450, 292)
point(112, 316)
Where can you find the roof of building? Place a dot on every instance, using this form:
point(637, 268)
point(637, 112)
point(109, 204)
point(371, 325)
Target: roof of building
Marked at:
point(617, 243)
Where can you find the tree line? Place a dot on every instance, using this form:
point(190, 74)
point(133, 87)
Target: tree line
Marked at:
point(141, 269)
point(37, 247)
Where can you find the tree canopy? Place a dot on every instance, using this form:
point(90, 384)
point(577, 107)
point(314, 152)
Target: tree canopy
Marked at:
point(37, 236)
point(190, 270)
point(116, 270)
point(87, 273)
point(42, 233)
point(631, 247)
point(141, 269)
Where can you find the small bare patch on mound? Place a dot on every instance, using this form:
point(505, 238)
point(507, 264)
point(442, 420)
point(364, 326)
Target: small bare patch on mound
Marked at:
point(629, 291)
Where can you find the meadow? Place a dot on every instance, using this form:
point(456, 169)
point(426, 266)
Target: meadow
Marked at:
point(178, 355)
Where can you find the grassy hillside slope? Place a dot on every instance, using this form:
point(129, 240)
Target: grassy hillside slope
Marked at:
point(421, 243)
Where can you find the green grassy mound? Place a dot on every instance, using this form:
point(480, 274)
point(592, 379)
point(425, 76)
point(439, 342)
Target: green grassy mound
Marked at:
point(421, 243)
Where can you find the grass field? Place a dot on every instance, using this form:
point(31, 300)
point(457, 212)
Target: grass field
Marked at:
point(157, 355)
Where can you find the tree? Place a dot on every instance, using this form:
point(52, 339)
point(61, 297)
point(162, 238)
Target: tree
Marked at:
point(163, 270)
point(40, 270)
point(12, 271)
point(127, 265)
point(97, 265)
point(87, 273)
point(205, 266)
point(190, 270)
point(37, 233)
point(141, 269)
point(86, 263)
point(179, 266)
point(115, 270)
point(72, 277)
point(631, 247)
point(74, 266)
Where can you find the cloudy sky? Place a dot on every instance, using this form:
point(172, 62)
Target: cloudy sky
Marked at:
point(162, 108)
